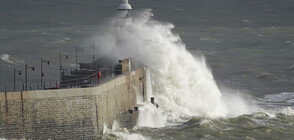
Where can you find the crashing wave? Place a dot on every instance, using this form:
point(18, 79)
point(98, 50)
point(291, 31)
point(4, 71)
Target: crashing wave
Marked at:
point(182, 84)
point(11, 60)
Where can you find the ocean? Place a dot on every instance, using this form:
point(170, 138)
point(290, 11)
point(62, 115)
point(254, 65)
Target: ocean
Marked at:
point(218, 69)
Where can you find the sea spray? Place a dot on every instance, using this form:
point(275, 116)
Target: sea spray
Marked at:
point(151, 116)
point(121, 134)
point(148, 84)
point(182, 84)
point(115, 126)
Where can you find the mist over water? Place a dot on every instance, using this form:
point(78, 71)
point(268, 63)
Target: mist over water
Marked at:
point(182, 84)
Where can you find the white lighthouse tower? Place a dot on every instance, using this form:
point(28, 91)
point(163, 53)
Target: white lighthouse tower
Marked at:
point(123, 20)
point(124, 10)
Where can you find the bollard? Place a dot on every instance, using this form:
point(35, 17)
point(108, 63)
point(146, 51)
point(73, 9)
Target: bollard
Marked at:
point(136, 108)
point(152, 100)
point(131, 111)
point(157, 105)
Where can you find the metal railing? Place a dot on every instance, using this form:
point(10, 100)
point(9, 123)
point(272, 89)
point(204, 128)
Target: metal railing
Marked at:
point(77, 81)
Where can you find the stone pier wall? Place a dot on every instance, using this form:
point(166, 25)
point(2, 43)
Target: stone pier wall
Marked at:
point(78, 113)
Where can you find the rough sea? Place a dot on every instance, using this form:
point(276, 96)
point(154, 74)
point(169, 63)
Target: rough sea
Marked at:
point(219, 69)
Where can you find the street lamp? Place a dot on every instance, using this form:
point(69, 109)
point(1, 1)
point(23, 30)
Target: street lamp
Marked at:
point(78, 49)
point(19, 73)
point(60, 66)
point(93, 53)
point(26, 74)
point(42, 74)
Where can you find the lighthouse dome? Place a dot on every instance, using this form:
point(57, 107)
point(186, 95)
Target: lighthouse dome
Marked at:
point(125, 5)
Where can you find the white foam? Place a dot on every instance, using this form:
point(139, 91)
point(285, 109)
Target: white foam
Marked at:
point(129, 136)
point(115, 126)
point(11, 60)
point(151, 116)
point(278, 103)
point(288, 111)
point(5, 58)
point(121, 133)
point(281, 97)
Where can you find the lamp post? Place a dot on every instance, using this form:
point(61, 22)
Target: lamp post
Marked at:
point(60, 66)
point(26, 75)
point(93, 53)
point(19, 73)
point(42, 74)
point(78, 49)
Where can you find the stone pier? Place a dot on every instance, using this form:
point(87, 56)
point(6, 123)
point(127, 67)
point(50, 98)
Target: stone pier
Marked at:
point(77, 113)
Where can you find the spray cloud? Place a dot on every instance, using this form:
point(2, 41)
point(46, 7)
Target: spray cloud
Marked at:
point(182, 84)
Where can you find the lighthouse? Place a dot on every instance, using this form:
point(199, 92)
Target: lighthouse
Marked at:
point(124, 15)
point(123, 19)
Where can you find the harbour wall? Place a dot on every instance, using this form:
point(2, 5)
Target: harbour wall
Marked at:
point(77, 113)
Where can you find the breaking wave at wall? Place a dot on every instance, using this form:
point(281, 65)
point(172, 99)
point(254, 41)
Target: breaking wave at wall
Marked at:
point(182, 84)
